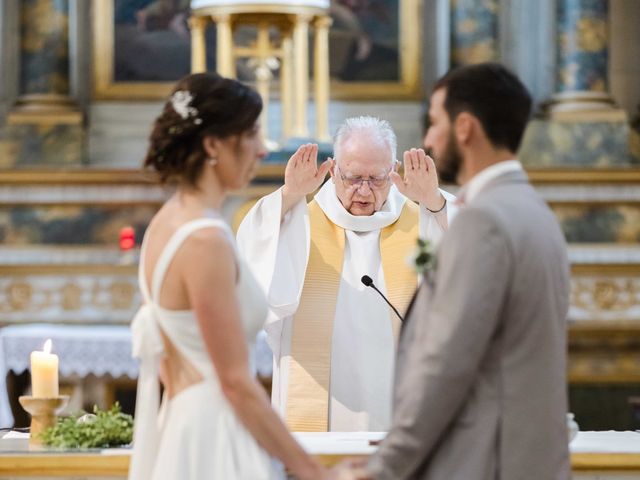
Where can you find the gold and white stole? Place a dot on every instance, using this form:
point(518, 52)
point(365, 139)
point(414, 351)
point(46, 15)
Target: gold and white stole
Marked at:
point(311, 341)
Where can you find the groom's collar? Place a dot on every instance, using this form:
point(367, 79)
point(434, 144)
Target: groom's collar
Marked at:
point(487, 176)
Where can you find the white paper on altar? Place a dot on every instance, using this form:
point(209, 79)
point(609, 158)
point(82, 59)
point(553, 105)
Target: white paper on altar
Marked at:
point(362, 338)
point(339, 443)
point(606, 442)
point(13, 435)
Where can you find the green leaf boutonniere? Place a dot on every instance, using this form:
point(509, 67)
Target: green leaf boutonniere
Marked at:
point(424, 257)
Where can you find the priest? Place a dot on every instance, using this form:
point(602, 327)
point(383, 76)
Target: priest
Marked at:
point(333, 339)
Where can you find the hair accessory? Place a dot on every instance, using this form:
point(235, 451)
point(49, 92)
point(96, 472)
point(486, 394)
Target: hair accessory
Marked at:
point(180, 101)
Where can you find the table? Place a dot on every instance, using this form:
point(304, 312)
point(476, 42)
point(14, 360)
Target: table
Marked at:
point(594, 455)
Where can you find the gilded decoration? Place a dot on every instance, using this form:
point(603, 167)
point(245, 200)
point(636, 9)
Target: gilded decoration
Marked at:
point(122, 295)
point(616, 294)
point(103, 296)
point(19, 295)
point(71, 296)
point(610, 298)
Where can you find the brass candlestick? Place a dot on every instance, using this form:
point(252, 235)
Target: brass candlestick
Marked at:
point(44, 413)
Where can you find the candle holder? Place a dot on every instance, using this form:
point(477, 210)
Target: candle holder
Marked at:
point(44, 413)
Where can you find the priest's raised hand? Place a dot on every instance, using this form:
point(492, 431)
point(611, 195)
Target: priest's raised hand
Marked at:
point(420, 182)
point(302, 175)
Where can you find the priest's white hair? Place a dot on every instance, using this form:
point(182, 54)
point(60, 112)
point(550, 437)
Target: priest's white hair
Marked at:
point(373, 127)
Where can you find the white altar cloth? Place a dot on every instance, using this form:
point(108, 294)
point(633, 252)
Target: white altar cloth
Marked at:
point(82, 350)
point(606, 442)
point(357, 443)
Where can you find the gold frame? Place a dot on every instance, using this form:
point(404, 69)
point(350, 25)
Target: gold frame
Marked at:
point(408, 87)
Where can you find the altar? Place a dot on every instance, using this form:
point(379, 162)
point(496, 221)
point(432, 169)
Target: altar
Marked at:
point(594, 456)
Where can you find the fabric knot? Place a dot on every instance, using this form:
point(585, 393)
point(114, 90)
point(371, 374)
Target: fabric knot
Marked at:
point(145, 334)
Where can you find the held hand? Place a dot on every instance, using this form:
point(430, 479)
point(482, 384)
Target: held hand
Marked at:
point(350, 469)
point(302, 175)
point(420, 181)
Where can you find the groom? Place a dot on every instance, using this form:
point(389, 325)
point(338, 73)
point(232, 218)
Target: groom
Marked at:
point(480, 387)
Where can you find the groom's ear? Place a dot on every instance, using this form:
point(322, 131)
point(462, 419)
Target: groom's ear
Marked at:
point(332, 167)
point(463, 127)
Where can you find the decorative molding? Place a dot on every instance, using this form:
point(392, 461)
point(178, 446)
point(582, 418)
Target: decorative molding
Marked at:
point(68, 294)
point(583, 175)
point(605, 292)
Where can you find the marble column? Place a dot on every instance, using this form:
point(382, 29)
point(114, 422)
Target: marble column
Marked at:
point(474, 31)
point(44, 127)
point(580, 126)
point(321, 77)
point(198, 44)
point(225, 65)
point(301, 74)
point(583, 47)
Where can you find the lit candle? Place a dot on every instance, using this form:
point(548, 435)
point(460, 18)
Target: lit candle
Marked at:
point(44, 373)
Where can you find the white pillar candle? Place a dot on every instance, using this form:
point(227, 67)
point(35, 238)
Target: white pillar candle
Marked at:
point(44, 373)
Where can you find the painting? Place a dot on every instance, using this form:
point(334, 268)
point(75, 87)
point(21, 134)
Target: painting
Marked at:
point(141, 47)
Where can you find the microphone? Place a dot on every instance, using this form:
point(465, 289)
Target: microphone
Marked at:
point(366, 280)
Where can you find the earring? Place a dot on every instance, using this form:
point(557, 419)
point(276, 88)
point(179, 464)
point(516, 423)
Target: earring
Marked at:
point(213, 161)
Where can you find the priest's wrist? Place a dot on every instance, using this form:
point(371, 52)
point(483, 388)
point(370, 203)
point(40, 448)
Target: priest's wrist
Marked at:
point(289, 199)
point(436, 206)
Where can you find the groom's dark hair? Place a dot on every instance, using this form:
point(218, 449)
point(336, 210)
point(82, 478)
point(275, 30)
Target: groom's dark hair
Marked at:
point(494, 95)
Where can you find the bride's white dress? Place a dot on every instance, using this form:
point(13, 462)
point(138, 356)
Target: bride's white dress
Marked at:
point(196, 435)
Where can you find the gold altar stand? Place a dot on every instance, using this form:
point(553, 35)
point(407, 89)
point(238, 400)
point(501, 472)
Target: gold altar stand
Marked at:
point(294, 23)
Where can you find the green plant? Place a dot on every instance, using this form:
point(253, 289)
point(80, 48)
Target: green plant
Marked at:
point(105, 428)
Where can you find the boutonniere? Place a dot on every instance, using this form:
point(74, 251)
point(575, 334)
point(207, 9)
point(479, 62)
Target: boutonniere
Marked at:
point(423, 259)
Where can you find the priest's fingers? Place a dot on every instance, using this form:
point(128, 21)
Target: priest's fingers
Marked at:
point(422, 159)
point(418, 164)
point(398, 182)
point(324, 169)
point(308, 152)
point(313, 156)
point(406, 157)
point(406, 163)
point(430, 163)
point(297, 156)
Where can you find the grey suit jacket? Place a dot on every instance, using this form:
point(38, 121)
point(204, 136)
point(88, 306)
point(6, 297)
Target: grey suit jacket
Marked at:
point(480, 386)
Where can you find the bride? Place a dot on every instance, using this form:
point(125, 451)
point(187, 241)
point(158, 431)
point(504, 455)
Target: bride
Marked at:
point(202, 308)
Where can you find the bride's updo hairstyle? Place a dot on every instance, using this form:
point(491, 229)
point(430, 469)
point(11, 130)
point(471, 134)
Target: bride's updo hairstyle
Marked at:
point(202, 104)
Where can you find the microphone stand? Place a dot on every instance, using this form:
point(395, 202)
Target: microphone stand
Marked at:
point(368, 282)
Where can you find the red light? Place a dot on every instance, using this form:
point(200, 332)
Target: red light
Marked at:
point(127, 238)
